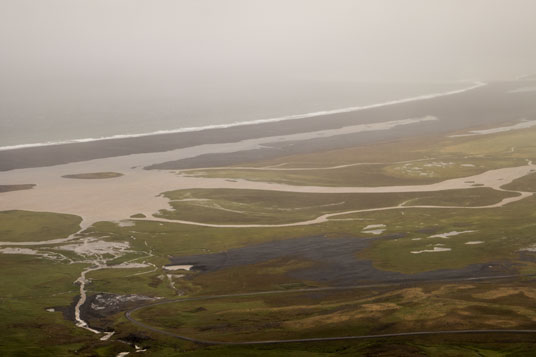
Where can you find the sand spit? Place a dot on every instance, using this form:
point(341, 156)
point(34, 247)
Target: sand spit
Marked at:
point(352, 129)
point(525, 124)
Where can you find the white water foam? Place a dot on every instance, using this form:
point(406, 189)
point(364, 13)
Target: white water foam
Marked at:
point(251, 122)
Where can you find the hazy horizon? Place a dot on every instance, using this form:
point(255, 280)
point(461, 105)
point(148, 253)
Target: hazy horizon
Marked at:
point(79, 66)
point(380, 40)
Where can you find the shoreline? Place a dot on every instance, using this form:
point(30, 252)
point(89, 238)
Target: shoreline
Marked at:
point(485, 105)
point(475, 85)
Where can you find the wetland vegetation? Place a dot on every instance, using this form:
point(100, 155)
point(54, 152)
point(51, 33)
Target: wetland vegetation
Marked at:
point(474, 268)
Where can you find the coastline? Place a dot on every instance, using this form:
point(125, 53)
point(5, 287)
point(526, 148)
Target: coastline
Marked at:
point(485, 105)
point(249, 122)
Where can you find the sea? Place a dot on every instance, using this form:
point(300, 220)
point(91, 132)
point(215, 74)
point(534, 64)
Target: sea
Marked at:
point(63, 113)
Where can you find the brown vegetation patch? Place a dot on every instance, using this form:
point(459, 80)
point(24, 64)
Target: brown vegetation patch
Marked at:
point(8, 188)
point(94, 175)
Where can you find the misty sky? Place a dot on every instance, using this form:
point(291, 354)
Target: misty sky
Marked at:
point(356, 40)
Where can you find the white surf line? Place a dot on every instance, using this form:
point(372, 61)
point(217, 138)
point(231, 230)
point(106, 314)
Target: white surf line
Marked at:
point(475, 85)
point(348, 129)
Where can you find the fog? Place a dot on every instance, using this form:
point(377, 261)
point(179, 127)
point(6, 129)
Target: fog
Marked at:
point(193, 39)
point(98, 53)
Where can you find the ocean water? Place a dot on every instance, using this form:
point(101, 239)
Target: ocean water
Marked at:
point(37, 114)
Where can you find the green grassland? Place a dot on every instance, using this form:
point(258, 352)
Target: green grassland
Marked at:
point(503, 232)
point(31, 284)
point(420, 172)
point(430, 160)
point(387, 152)
point(228, 206)
point(527, 184)
point(28, 286)
point(53, 286)
point(351, 312)
point(24, 226)
point(362, 175)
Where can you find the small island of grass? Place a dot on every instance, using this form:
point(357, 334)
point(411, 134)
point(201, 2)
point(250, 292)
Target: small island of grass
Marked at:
point(94, 175)
point(7, 188)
